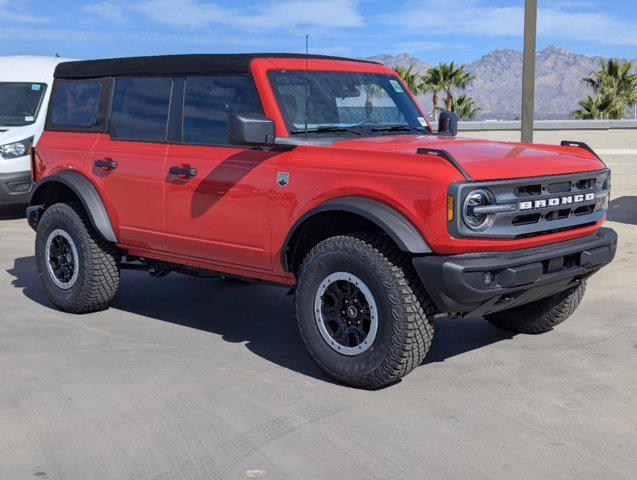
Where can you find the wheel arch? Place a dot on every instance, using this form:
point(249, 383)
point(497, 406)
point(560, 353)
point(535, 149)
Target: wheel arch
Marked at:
point(67, 185)
point(349, 213)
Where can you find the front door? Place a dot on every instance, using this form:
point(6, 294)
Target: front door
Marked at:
point(218, 198)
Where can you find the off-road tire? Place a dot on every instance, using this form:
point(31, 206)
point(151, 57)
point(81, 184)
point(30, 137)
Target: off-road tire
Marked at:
point(542, 315)
point(404, 329)
point(98, 271)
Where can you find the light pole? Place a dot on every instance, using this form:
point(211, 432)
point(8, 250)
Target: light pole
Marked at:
point(528, 69)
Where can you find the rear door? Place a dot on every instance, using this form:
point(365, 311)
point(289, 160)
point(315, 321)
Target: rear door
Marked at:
point(221, 208)
point(128, 161)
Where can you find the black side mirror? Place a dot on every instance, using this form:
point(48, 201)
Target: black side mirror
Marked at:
point(448, 124)
point(250, 129)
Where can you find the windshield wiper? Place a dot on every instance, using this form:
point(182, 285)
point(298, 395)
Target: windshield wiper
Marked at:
point(394, 128)
point(325, 128)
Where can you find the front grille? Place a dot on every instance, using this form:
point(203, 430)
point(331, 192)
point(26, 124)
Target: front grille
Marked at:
point(539, 206)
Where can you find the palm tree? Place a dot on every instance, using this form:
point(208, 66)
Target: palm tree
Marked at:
point(614, 87)
point(432, 83)
point(453, 78)
point(412, 79)
point(465, 107)
point(598, 108)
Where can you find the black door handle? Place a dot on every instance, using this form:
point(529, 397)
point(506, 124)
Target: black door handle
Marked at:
point(106, 164)
point(183, 172)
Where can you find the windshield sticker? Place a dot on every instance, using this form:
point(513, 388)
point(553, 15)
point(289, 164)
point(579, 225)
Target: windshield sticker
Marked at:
point(422, 121)
point(396, 86)
point(28, 119)
point(35, 87)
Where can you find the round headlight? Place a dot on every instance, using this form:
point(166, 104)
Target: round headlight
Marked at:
point(475, 220)
point(606, 183)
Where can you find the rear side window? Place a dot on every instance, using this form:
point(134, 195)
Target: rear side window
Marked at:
point(208, 101)
point(76, 103)
point(140, 109)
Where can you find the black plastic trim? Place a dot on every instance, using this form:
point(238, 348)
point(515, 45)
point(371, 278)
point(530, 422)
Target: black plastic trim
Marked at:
point(400, 229)
point(447, 156)
point(569, 143)
point(86, 192)
point(7, 194)
point(455, 285)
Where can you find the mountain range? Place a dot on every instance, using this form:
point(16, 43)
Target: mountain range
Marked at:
point(497, 88)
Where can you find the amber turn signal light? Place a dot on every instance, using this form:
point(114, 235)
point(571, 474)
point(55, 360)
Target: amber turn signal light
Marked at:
point(449, 208)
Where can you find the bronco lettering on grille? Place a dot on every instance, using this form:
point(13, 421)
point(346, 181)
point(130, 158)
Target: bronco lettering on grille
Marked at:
point(556, 201)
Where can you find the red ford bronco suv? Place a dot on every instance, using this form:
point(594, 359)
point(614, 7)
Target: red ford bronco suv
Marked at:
point(317, 173)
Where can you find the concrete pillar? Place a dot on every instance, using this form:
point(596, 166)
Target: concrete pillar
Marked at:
point(528, 70)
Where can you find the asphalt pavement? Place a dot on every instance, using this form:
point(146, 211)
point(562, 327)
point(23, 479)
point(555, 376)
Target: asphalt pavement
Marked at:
point(186, 378)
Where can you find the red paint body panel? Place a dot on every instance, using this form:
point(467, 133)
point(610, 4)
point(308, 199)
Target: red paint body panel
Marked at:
point(225, 211)
point(488, 160)
point(64, 151)
point(233, 217)
point(133, 193)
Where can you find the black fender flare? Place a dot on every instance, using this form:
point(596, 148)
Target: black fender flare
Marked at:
point(86, 192)
point(392, 222)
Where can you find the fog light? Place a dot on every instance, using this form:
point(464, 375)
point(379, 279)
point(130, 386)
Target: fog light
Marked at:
point(488, 279)
point(19, 187)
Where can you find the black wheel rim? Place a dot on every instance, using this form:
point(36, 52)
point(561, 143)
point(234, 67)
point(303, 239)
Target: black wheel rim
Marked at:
point(62, 259)
point(346, 313)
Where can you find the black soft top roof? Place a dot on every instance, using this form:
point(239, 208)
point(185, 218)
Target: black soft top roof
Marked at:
point(174, 64)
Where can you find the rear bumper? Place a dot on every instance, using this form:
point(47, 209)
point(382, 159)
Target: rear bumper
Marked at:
point(456, 283)
point(15, 187)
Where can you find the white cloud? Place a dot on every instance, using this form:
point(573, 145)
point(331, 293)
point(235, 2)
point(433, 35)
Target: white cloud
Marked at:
point(107, 11)
point(272, 15)
point(12, 10)
point(560, 21)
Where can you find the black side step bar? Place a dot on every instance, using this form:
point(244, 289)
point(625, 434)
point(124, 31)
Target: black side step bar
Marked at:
point(447, 156)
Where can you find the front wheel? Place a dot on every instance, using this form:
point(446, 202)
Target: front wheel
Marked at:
point(361, 310)
point(77, 267)
point(542, 315)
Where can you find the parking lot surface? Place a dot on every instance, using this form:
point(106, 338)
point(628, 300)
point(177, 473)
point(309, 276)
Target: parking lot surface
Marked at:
point(187, 378)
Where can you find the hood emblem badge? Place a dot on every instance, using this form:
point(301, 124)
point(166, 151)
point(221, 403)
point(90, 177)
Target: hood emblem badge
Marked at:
point(282, 178)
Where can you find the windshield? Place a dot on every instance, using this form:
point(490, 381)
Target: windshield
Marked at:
point(348, 103)
point(20, 102)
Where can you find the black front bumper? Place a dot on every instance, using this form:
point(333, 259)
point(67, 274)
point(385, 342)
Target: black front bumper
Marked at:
point(456, 283)
point(15, 187)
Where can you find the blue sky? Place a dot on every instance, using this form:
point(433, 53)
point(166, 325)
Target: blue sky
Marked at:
point(431, 30)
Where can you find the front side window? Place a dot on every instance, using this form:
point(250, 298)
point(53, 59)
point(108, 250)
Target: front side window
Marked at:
point(348, 102)
point(209, 100)
point(20, 102)
point(76, 103)
point(140, 109)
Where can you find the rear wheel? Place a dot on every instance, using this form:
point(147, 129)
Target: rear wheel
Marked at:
point(361, 310)
point(542, 315)
point(77, 267)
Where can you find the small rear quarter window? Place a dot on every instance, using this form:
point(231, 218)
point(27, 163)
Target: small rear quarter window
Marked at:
point(76, 103)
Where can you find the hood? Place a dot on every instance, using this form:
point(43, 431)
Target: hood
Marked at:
point(488, 160)
point(15, 134)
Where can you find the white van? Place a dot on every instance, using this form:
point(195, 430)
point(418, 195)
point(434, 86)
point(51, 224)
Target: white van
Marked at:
point(25, 85)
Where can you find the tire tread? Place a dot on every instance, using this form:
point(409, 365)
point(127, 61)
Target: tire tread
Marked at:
point(102, 275)
point(542, 315)
point(413, 331)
